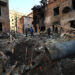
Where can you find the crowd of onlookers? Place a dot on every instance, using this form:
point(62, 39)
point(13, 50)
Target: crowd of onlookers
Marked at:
point(32, 32)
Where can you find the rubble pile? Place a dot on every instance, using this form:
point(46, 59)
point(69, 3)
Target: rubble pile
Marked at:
point(37, 60)
point(68, 66)
point(4, 45)
point(35, 56)
point(23, 50)
point(31, 53)
point(4, 36)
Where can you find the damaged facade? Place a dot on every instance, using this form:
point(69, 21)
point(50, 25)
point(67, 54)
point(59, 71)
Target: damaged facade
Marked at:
point(59, 15)
point(24, 22)
point(14, 19)
point(38, 18)
point(4, 16)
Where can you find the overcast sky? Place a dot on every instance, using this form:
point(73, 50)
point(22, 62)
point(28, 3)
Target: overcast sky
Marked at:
point(23, 6)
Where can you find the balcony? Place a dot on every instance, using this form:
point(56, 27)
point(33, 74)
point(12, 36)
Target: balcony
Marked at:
point(3, 2)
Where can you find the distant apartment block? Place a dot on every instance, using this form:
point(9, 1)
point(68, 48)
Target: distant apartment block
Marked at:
point(4, 16)
point(14, 19)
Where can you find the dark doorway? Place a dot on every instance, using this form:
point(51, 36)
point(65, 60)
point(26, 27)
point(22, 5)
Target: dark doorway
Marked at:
point(53, 28)
point(72, 24)
point(0, 27)
point(42, 28)
point(56, 29)
point(56, 11)
point(73, 4)
point(66, 10)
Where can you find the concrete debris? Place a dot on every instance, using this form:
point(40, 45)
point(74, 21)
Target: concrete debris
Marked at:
point(39, 55)
point(63, 49)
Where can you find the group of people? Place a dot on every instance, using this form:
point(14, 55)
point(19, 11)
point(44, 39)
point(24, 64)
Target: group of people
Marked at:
point(31, 31)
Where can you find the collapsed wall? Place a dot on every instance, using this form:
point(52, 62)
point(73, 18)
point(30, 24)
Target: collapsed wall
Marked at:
point(58, 15)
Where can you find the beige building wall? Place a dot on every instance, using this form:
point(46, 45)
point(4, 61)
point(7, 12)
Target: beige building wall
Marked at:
point(14, 18)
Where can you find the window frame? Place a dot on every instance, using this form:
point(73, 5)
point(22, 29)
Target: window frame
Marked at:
point(54, 12)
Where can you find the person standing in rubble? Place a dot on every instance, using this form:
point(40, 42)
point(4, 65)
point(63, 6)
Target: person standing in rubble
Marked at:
point(31, 31)
point(26, 31)
point(48, 31)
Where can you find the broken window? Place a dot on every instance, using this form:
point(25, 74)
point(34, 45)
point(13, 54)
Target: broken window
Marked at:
point(73, 4)
point(72, 24)
point(55, 0)
point(0, 10)
point(2, 3)
point(56, 11)
point(66, 10)
point(12, 20)
point(0, 27)
point(42, 28)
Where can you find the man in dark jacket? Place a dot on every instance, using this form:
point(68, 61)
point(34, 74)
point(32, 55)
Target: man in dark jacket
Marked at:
point(26, 31)
point(48, 31)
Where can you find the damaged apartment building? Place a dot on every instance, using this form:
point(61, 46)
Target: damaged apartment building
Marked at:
point(4, 16)
point(59, 15)
point(25, 22)
point(38, 18)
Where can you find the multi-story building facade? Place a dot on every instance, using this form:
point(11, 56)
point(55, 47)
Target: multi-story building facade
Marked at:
point(25, 22)
point(59, 15)
point(4, 16)
point(14, 19)
point(38, 18)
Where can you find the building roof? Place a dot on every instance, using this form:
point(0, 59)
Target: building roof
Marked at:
point(30, 14)
point(16, 12)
